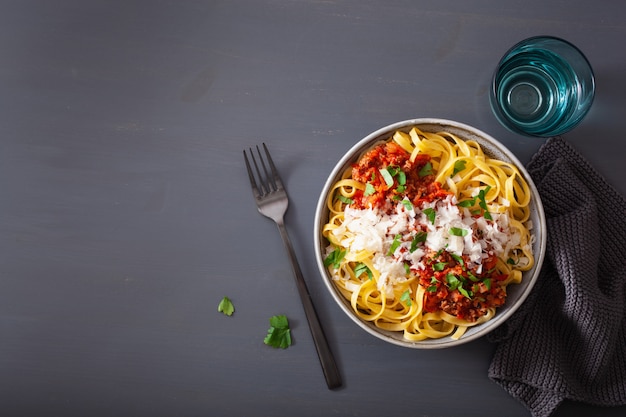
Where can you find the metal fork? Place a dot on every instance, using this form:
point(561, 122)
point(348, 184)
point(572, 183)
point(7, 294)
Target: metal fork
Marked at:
point(272, 201)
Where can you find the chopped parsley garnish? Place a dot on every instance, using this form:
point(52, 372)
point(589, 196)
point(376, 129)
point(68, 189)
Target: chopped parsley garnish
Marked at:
point(440, 266)
point(279, 334)
point(226, 306)
point(453, 281)
point(430, 214)
point(456, 283)
point(427, 169)
point(458, 167)
point(466, 293)
point(394, 245)
point(344, 199)
point(401, 182)
point(334, 258)
point(458, 259)
point(386, 176)
point(406, 298)
point(419, 237)
point(361, 268)
point(482, 203)
point(401, 177)
point(458, 231)
point(483, 192)
point(391, 172)
point(433, 285)
point(472, 277)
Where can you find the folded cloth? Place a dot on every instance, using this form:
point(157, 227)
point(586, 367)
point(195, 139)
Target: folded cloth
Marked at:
point(568, 340)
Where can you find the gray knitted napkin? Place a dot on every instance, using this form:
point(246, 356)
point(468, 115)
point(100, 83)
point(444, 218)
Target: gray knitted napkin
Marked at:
point(568, 340)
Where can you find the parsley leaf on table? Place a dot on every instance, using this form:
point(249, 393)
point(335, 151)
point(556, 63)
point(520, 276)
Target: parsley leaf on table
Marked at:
point(226, 306)
point(278, 335)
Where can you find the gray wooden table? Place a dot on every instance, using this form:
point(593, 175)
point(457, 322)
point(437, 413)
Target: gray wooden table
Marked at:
point(125, 211)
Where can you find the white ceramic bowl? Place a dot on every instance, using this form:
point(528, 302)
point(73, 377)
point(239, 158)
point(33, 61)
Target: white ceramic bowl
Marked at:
point(516, 293)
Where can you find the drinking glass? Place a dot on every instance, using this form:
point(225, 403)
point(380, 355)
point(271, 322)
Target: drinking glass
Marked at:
point(543, 86)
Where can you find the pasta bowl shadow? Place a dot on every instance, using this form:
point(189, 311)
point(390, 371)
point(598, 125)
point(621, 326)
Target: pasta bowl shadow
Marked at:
point(516, 293)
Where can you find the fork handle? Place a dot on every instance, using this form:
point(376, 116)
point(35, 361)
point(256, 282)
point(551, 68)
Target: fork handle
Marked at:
point(331, 372)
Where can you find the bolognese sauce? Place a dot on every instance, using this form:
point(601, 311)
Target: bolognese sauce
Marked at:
point(452, 282)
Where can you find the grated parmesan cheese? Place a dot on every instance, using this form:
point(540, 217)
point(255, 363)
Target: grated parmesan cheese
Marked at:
point(374, 230)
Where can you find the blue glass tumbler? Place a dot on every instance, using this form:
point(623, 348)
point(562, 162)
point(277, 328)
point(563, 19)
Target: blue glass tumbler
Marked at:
point(543, 86)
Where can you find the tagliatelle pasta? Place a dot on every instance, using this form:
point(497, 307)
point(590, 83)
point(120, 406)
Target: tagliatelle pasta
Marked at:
point(425, 233)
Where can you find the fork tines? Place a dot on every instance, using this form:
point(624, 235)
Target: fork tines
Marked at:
point(265, 181)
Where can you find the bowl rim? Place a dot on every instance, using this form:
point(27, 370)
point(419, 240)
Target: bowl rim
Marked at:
point(522, 290)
